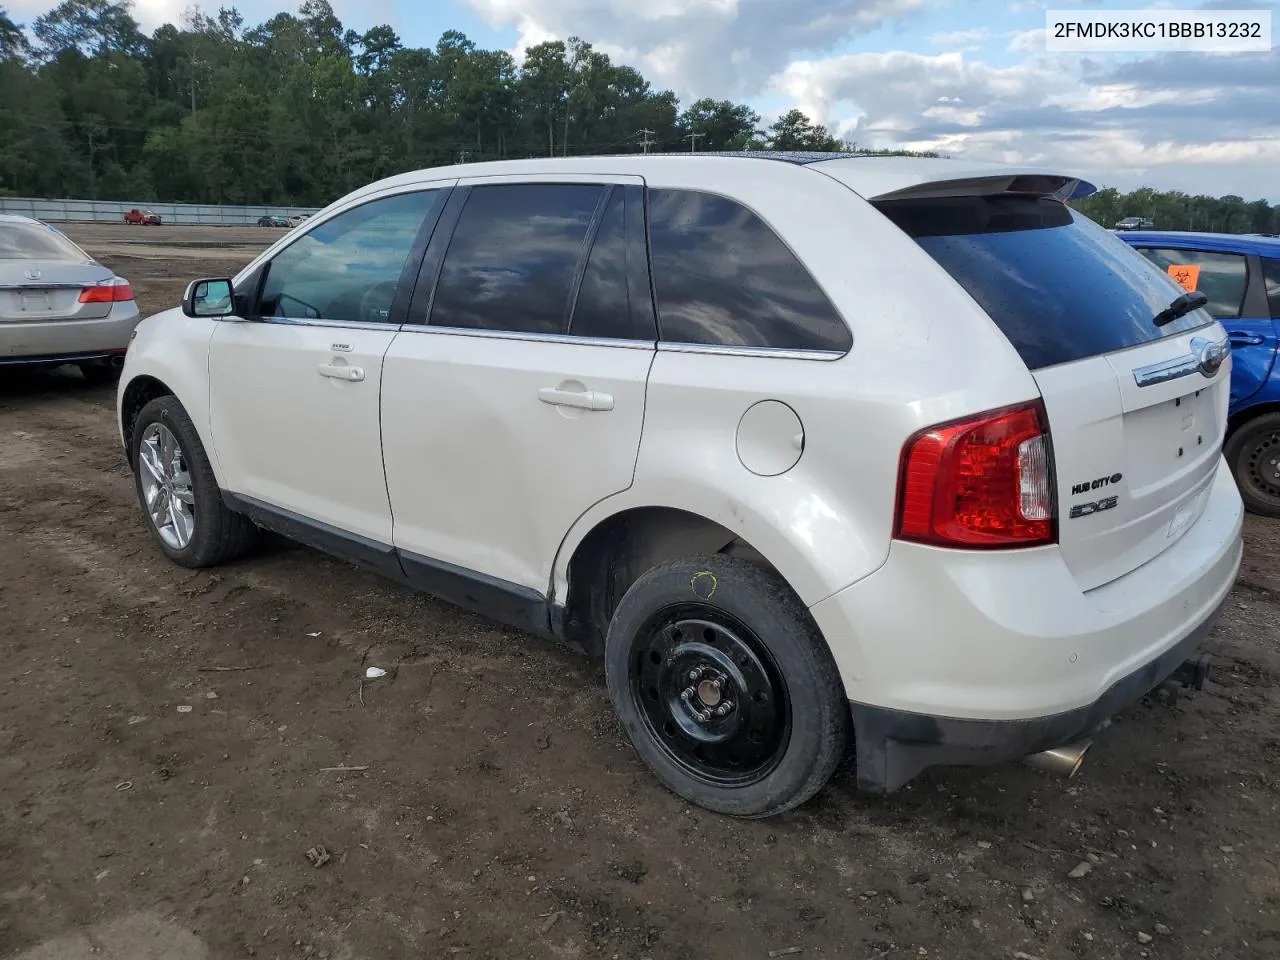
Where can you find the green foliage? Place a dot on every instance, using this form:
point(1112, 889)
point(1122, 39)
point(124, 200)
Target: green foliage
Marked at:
point(299, 110)
point(1174, 210)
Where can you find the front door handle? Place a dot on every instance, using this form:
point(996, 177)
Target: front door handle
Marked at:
point(341, 371)
point(1240, 339)
point(581, 399)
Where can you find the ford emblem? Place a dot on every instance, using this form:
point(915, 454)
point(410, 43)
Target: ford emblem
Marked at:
point(1209, 354)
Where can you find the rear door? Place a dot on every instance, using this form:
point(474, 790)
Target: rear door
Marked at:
point(1136, 409)
point(1236, 289)
point(513, 400)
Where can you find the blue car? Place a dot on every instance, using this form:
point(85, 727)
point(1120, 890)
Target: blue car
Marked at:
point(1241, 277)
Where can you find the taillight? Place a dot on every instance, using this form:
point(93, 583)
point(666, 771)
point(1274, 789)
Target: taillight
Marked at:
point(984, 482)
point(115, 290)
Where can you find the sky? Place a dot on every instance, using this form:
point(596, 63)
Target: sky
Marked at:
point(969, 78)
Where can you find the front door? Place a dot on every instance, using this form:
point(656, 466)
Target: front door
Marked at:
point(520, 404)
point(294, 388)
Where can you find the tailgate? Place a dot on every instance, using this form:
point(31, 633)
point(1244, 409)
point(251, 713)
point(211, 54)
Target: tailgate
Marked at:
point(1137, 436)
point(1136, 392)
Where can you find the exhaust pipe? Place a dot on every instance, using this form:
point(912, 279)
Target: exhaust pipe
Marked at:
point(117, 360)
point(1061, 761)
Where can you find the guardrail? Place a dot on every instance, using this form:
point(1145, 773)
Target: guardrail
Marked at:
point(113, 211)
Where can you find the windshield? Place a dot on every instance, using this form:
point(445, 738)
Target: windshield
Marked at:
point(1060, 287)
point(32, 241)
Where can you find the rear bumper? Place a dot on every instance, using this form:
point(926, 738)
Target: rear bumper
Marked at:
point(989, 656)
point(47, 341)
point(893, 746)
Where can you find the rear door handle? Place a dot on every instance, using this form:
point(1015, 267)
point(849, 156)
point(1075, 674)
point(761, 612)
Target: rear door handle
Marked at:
point(341, 371)
point(1246, 339)
point(581, 399)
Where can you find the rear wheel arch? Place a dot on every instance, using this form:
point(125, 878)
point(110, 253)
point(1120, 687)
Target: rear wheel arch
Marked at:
point(624, 546)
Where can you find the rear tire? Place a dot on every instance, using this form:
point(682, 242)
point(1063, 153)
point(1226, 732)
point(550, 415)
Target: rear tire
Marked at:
point(1253, 454)
point(725, 686)
point(181, 501)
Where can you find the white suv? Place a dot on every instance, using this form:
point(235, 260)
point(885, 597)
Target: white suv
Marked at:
point(814, 450)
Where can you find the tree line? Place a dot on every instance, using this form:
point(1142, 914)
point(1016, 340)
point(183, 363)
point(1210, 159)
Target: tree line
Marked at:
point(300, 110)
point(1175, 210)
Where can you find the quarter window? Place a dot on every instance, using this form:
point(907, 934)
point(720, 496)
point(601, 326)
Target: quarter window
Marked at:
point(348, 268)
point(513, 256)
point(1222, 277)
point(723, 277)
point(1271, 275)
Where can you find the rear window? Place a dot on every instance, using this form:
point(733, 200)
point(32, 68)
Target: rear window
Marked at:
point(1057, 285)
point(29, 241)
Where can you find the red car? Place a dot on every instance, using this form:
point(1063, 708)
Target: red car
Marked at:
point(143, 217)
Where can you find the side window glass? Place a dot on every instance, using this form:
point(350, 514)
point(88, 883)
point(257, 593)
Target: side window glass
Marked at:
point(603, 308)
point(1222, 277)
point(513, 255)
point(723, 277)
point(1271, 274)
point(347, 268)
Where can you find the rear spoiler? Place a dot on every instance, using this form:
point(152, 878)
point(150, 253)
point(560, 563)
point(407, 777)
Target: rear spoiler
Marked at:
point(903, 178)
point(1033, 184)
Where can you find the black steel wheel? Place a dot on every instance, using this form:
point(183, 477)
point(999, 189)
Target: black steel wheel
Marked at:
point(1253, 454)
point(711, 695)
point(725, 686)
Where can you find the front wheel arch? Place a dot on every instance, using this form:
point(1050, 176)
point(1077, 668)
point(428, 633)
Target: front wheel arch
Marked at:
point(140, 391)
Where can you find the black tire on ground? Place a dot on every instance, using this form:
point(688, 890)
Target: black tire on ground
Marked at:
point(99, 374)
point(220, 534)
point(1253, 454)
point(694, 634)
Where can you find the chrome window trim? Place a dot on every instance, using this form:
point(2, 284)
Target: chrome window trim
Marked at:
point(530, 337)
point(306, 322)
point(771, 352)
point(776, 353)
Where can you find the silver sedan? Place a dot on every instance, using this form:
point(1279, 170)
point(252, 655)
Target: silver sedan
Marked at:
point(58, 305)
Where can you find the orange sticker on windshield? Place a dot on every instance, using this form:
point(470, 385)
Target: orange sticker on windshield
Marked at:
point(1185, 275)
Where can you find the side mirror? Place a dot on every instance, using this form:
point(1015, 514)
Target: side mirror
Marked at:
point(209, 298)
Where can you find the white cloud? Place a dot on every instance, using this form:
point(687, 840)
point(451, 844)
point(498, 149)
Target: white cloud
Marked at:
point(1199, 124)
point(357, 14)
point(959, 39)
point(703, 47)
point(1028, 41)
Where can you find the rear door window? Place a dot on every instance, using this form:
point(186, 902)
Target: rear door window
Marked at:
point(513, 257)
point(1222, 277)
point(1060, 287)
point(1271, 275)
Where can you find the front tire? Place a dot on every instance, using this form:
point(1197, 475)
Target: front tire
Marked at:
point(725, 686)
point(1253, 454)
point(176, 488)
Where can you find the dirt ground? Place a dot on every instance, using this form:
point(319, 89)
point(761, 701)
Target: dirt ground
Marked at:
point(168, 741)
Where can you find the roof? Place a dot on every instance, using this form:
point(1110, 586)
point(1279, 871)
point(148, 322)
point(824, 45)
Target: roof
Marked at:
point(1220, 242)
point(870, 175)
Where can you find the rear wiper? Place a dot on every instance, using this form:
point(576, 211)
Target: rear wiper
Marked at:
point(1180, 308)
